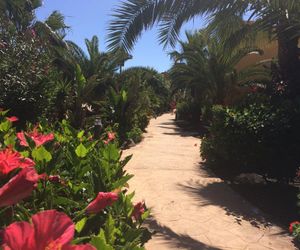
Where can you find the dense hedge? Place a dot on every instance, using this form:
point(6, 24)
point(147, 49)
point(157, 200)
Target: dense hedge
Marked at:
point(259, 137)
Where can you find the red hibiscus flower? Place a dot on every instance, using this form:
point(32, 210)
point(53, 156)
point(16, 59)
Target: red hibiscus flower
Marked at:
point(19, 187)
point(49, 230)
point(292, 225)
point(10, 160)
point(13, 119)
point(102, 201)
point(138, 210)
point(39, 139)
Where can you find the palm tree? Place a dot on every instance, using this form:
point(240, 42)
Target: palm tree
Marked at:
point(207, 72)
point(279, 18)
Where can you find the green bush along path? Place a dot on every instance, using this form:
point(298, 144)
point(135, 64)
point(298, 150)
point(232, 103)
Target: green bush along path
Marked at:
point(191, 208)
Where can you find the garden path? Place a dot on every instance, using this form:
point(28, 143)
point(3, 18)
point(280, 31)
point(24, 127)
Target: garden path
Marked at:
point(191, 208)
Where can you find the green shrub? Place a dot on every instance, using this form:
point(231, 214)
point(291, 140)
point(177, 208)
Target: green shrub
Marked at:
point(189, 111)
point(258, 138)
point(135, 134)
point(25, 75)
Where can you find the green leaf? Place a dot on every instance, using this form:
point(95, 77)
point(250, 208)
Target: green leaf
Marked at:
point(111, 153)
point(41, 154)
point(110, 230)
point(80, 225)
point(25, 154)
point(145, 215)
point(10, 140)
point(64, 201)
point(80, 239)
point(80, 134)
point(100, 242)
point(5, 126)
point(124, 96)
point(126, 160)
point(81, 151)
point(120, 183)
point(80, 79)
point(3, 113)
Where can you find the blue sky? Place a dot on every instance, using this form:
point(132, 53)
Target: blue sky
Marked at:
point(91, 17)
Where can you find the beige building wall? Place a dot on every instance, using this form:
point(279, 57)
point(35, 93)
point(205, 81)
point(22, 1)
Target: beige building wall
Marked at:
point(270, 52)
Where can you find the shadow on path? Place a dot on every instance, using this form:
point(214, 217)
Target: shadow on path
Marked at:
point(176, 240)
point(216, 193)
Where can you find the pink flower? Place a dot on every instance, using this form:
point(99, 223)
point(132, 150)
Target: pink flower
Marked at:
point(138, 210)
point(11, 160)
point(50, 229)
point(13, 119)
point(19, 187)
point(102, 201)
point(111, 136)
point(292, 226)
point(39, 139)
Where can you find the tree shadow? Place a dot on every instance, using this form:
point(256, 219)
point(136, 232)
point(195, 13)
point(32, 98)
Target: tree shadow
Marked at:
point(186, 134)
point(220, 194)
point(180, 131)
point(174, 239)
point(276, 202)
point(171, 128)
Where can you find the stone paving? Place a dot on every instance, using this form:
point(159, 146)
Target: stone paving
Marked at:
point(191, 208)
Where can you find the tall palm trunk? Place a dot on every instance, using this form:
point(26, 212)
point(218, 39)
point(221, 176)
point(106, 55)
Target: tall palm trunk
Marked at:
point(288, 58)
point(79, 115)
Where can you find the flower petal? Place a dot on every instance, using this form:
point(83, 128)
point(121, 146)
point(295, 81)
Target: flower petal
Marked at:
point(19, 187)
point(102, 201)
point(52, 227)
point(18, 236)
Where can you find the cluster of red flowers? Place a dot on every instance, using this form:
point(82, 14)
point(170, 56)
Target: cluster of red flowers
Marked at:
point(49, 229)
point(22, 184)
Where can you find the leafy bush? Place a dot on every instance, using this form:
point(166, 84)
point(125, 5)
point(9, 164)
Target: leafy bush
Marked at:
point(25, 71)
point(189, 111)
point(135, 134)
point(258, 138)
point(82, 178)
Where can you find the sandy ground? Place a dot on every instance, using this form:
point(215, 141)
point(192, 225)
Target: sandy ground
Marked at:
point(191, 208)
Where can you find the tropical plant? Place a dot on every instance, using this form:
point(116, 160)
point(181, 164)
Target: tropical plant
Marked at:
point(65, 180)
point(278, 18)
point(205, 74)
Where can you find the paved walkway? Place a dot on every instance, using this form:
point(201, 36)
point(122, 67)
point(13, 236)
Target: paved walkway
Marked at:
point(191, 208)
